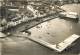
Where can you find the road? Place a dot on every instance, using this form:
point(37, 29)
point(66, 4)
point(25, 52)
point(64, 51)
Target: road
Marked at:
point(62, 28)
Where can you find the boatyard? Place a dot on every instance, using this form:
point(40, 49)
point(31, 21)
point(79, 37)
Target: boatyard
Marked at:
point(40, 27)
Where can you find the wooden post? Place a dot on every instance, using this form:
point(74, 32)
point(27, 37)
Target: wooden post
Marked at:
point(0, 48)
